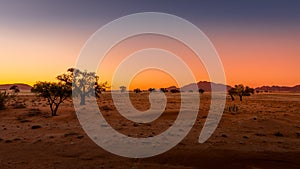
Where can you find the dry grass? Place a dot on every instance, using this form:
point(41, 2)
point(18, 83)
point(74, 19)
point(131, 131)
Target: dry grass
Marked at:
point(262, 131)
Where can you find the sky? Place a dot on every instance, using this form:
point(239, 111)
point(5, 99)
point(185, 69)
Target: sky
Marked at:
point(257, 41)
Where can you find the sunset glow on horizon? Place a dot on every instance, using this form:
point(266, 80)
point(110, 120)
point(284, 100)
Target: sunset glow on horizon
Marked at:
point(40, 40)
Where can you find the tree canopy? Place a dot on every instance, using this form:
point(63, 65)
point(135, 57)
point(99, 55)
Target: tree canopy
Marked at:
point(54, 92)
point(240, 90)
point(83, 83)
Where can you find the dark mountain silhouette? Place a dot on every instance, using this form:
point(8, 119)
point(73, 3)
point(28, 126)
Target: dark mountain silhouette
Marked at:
point(279, 88)
point(206, 86)
point(171, 88)
point(21, 86)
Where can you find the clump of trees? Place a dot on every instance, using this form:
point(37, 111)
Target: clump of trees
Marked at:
point(55, 93)
point(75, 82)
point(240, 90)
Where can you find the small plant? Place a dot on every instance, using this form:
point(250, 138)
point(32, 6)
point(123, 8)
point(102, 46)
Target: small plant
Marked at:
point(4, 97)
point(233, 108)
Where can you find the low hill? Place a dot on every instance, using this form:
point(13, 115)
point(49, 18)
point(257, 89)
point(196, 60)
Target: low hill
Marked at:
point(279, 88)
point(21, 86)
point(206, 86)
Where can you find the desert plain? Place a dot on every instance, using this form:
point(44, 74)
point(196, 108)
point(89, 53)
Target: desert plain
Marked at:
point(260, 132)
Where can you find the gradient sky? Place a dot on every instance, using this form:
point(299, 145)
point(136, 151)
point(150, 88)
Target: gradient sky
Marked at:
point(257, 41)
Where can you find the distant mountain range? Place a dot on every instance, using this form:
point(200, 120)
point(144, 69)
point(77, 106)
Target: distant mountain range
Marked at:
point(206, 86)
point(21, 86)
point(279, 88)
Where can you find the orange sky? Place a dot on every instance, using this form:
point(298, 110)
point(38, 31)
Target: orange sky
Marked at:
point(257, 41)
point(254, 57)
point(151, 77)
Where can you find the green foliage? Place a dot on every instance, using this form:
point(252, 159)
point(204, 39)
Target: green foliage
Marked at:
point(83, 83)
point(55, 93)
point(240, 90)
point(4, 97)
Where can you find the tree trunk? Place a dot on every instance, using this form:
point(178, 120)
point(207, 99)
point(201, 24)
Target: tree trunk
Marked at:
point(241, 97)
point(51, 108)
point(82, 99)
point(55, 110)
point(232, 98)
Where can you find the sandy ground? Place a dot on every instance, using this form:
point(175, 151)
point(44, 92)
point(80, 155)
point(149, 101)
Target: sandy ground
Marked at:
point(263, 133)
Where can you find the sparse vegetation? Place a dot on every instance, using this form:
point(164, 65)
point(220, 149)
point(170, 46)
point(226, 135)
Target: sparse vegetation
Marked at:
point(175, 91)
point(233, 109)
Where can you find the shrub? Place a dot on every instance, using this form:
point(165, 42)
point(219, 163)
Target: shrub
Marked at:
point(4, 97)
point(137, 90)
point(175, 91)
point(201, 91)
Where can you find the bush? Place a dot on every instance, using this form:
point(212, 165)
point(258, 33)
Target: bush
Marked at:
point(137, 90)
point(3, 99)
point(201, 91)
point(164, 90)
point(175, 91)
